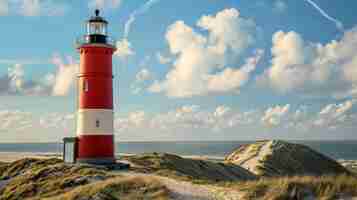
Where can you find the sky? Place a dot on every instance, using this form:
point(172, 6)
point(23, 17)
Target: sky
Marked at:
point(186, 70)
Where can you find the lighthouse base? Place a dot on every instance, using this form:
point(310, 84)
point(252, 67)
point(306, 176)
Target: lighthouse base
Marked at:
point(97, 161)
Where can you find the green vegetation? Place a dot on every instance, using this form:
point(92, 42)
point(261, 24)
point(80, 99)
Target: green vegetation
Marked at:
point(129, 188)
point(44, 178)
point(3, 167)
point(280, 158)
point(23, 165)
point(325, 187)
point(188, 169)
point(51, 179)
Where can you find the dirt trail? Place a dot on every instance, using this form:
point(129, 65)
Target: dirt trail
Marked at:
point(182, 190)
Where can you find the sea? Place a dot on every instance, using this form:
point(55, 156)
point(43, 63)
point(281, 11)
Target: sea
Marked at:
point(339, 150)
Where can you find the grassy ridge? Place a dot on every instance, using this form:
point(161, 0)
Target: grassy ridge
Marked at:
point(188, 169)
point(323, 187)
point(53, 180)
point(29, 178)
point(127, 188)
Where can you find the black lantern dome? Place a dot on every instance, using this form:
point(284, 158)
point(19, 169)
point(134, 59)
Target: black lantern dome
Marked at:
point(96, 31)
point(96, 25)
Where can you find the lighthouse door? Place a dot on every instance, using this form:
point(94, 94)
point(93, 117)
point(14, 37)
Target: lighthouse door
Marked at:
point(69, 150)
point(69, 157)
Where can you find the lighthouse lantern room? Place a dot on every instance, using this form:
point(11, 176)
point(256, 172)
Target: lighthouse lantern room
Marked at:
point(95, 126)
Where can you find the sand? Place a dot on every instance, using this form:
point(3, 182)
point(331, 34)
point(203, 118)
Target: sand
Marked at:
point(182, 190)
point(13, 156)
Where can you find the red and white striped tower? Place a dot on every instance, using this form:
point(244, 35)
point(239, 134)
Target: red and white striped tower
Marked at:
point(95, 125)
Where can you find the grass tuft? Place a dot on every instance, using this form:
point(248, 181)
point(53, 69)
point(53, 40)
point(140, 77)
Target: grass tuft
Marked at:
point(119, 188)
point(324, 187)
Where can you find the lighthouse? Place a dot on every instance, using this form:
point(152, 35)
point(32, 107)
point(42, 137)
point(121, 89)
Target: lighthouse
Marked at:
point(95, 124)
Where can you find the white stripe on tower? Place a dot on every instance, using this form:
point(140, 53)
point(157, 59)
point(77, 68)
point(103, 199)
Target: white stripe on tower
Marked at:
point(95, 122)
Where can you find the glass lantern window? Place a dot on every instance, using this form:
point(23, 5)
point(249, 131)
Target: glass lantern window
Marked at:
point(97, 28)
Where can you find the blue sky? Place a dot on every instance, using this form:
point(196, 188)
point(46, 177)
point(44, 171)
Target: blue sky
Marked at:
point(188, 70)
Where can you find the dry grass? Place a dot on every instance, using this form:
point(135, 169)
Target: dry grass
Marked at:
point(324, 187)
point(40, 179)
point(30, 178)
point(3, 167)
point(188, 169)
point(16, 168)
point(280, 158)
point(129, 188)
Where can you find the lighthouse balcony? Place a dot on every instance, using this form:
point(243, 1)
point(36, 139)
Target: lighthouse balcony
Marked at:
point(95, 39)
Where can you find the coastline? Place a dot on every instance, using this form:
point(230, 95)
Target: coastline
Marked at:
point(8, 157)
point(182, 176)
point(14, 156)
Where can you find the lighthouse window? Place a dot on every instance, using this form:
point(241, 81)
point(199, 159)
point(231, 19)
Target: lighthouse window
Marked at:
point(86, 86)
point(97, 28)
point(97, 123)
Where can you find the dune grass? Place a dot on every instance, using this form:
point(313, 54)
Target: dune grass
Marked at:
point(176, 167)
point(127, 188)
point(324, 187)
point(52, 179)
point(29, 178)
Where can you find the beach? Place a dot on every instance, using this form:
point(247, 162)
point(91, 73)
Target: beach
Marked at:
point(240, 175)
point(13, 156)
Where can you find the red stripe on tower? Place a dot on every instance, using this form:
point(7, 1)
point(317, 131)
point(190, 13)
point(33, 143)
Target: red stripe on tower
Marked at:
point(95, 117)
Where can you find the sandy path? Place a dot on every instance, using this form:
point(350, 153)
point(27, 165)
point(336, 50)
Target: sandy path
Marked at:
point(182, 190)
point(251, 160)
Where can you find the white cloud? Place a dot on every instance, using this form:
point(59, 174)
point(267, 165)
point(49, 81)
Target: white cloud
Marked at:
point(228, 30)
point(14, 83)
point(193, 121)
point(40, 8)
point(221, 111)
point(65, 76)
point(14, 120)
point(189, 117)
point(133, 120)
point(143, 75)
point(141, 10)
point(21, 126)
point(142, 78)
point(333, 115)
point(64, 121)
point(27, 61)
point(124, 49)
point(244, 119)
point(163, 59)
point(194, 118)
point(233, 79)
point(274, 115)
point(4, 7)
point(313, 68)
point(199, 58)
point(338, 23)
point(32, 8)
point(104, 4)
point(57, 84)
point(124, 46)
point(16, 75)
